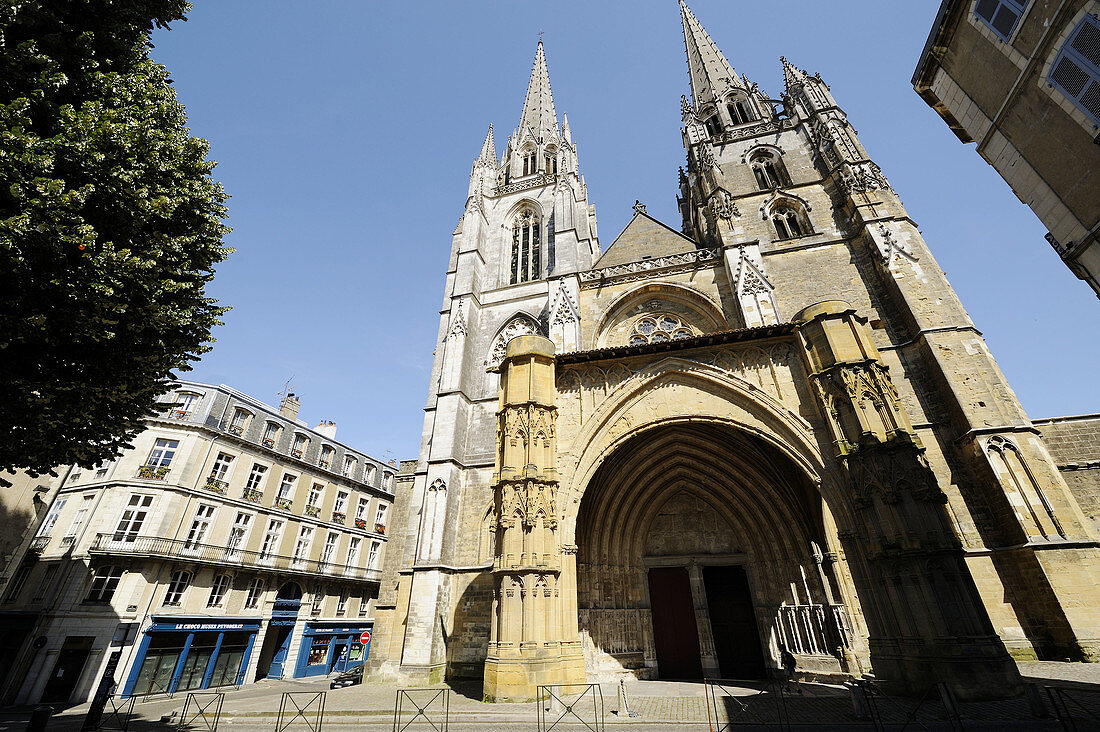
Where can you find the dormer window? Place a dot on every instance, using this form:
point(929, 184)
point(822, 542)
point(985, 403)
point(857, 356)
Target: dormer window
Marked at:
point(740, 111)
point(301, 443)
point(525, 248)
point(530, 164)
point(185, 404)
point(349, 466)
point(326, 456)
point(239, 423)
point(271, 435)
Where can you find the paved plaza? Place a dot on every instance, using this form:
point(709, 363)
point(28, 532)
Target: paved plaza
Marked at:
point(655, 705)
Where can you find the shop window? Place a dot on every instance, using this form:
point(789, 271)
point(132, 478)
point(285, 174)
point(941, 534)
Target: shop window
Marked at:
point(255, 592)
point(318, 651)
point(132, 519)
point(176, 587)
point(218, 589)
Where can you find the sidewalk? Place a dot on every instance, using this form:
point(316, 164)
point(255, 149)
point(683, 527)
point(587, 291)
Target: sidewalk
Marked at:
point(658, 705)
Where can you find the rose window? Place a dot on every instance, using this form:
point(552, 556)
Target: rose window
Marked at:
point(658, 329)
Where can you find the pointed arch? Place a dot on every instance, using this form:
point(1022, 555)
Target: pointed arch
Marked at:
point(519, 324)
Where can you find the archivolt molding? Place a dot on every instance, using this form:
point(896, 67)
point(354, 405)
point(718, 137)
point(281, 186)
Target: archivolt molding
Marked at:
point(630, 411)
point(519, 324)
point(651, 295)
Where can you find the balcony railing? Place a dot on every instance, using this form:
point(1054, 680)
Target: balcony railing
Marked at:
point(39, 543)
point(269, 442)
point(283, 503)
point(154, 472)
point(339, 517)
point(380, 528)
point(218, 486)
point(252, 494)
point(180, 414)
point(296, 454)
point(152, 546)
point(235, 429)
point(361, 523)
point(313, 511)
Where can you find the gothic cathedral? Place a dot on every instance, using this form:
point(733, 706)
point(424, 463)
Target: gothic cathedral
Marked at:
point(774, 427)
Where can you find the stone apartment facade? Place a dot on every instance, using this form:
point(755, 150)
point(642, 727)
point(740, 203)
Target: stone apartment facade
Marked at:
point(771, 425)
point(231, 543)
point(1021, 80)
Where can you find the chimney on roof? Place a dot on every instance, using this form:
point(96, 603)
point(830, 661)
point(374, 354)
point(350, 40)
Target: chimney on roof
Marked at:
point(290, 406)
point(327, 428)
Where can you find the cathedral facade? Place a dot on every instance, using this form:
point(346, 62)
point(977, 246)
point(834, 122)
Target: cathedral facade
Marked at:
point(773, 427)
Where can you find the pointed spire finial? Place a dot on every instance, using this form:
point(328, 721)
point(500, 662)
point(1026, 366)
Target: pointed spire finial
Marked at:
point(639, 207)
point(709, 72)
point(488, 155)
point(792, 75)
point(538, 107)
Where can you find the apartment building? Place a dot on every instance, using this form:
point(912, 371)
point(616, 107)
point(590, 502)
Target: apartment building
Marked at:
point(232, 543)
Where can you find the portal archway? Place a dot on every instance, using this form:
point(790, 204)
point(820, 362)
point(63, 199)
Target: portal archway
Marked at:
point(698, 553)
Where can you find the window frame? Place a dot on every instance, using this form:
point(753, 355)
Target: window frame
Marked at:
point(1018, 7)
point(1066, 52)
point(254, 593)
point(177, 586)
point(219, 589)
point(112, 577)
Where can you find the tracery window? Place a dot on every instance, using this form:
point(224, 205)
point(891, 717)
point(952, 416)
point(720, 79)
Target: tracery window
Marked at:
point(525, 247)
point(1076, 70)
point(550, 162)
point(789, 223)
point(713, 124)
point(658, 329)
point(769, 171)
point(740, 111)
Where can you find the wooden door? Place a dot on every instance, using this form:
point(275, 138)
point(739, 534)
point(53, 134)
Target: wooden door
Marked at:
point(674, 631)
point(733, 622)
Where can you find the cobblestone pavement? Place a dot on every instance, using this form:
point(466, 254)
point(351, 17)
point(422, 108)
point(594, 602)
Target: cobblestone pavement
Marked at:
point(657, 704)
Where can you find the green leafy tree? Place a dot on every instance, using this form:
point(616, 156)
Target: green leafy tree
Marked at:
point(110, 228)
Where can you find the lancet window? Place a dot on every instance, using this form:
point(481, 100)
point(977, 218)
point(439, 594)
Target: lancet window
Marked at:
point(530, 164)
point(789, 223)
point(713, 124)
point(550, 162)
point(769, 171)
point(740, 111)
point(658, 329)
point(525, 247)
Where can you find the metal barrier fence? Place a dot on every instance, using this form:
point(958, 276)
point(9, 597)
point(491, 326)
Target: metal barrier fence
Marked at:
point(556, 702)
point(117, 714)
point(427, 703)
point(202, 707)
point(1071, 708)
point(307, 706)
point(767, 707)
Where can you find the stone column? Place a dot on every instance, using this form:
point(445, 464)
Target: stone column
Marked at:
point(926, 619)
point(707, 655)
point(525, 499)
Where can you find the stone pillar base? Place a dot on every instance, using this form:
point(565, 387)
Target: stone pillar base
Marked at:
point(392, 672)
point(515, 678)
point(974, 670)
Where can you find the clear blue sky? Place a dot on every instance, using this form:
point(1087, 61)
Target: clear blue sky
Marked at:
point(345, 132)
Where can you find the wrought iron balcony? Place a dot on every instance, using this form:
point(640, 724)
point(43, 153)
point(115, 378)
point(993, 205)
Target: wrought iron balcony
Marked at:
point(154, 472)
point(339, 517)
point(252, 494)
point(296, 454)
point(235, 429)
point(313, 511)
point(181, 414)
point(218, 486)
point(283, 503)
point(361, 523)
point(380, 528)
point(154, 546)
point(269, 442)
point(39, 543)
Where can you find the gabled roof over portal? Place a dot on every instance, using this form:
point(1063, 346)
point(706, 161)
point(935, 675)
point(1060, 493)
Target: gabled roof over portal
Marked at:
point(644, 238)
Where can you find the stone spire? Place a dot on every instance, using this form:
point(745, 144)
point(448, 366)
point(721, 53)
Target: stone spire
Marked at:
point(488, 154)
point(538, 108)
point(792, 75)
point(708, 70)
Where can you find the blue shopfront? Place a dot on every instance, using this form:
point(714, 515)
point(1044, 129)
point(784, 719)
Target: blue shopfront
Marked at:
point(331, 648)
point(181, 653)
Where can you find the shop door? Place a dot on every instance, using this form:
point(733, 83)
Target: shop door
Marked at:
point(66, 672)
point(339, 658)
point(674, 631)
point(733, 622)
point(282, 647)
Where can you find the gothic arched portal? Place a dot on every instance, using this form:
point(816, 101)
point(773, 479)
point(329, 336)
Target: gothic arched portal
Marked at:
point(697, 554)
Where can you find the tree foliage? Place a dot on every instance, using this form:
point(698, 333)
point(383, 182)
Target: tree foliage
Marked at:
point(110, 228)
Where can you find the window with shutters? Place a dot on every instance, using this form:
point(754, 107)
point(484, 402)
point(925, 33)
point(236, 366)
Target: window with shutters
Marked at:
point(1002, 16)
point(1076, 69)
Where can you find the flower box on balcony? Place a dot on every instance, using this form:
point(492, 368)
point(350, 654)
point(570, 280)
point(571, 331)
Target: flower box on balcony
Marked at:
point(338, 517)
point(380, 528)
point(323, 463)
point(296, 453)
point(179, 414)
point(153, 472)
point(269, 442)
point(313, 511)
point(283, 503)
point(236, 429)
point(213, 484)
point(360, 523)
point(251, 494)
